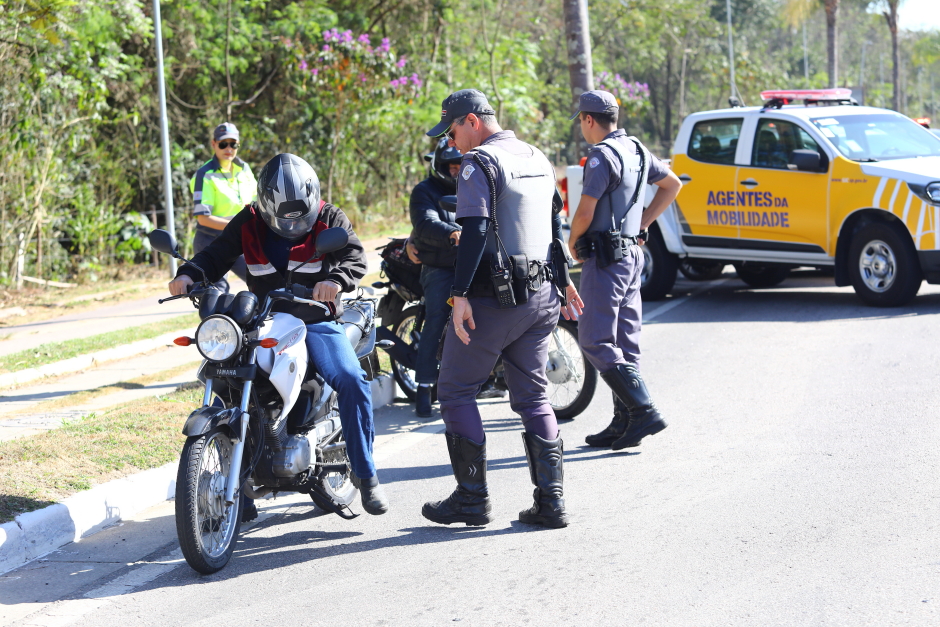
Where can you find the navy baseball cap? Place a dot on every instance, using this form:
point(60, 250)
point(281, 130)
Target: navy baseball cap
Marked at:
point(596, 101)
point(459, 104)
point(226, 130)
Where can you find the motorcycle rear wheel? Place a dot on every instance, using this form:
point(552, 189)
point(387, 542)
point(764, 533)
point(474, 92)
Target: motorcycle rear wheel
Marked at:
point(572, 380)
point(339, 485)
point(205, 525)
point(403, 328)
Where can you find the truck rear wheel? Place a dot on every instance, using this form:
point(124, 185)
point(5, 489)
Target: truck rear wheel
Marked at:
point(883, 265)
point(761, 274)
point(659, 268)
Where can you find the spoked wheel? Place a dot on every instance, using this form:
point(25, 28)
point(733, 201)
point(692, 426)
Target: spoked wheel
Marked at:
point(405, 329)
point(571, 378)
point(205, 525)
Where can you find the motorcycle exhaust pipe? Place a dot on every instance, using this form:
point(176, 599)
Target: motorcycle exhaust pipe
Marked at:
point(260, 493)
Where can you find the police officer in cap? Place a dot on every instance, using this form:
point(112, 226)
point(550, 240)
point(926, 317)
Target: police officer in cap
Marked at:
point(609, 224)
point(504, 303)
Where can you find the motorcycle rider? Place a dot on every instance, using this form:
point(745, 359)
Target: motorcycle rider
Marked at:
point(277, 233)
point(433, 244)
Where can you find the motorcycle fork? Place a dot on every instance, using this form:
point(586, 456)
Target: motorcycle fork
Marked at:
point(233, 483)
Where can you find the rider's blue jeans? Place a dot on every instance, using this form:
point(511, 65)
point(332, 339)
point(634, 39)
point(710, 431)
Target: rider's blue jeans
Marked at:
point(331, 352)
point(437, 283)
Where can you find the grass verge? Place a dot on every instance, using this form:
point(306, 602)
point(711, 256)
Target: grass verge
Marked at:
point(80, 398)
point(43, 469)
point(58, 351)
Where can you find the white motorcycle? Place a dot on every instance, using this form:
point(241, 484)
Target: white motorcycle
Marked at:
point(273, 425)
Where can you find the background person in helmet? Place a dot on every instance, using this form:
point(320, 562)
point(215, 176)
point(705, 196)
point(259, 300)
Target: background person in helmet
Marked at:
point(433, 243)
point(277, 233)
point(221, 187)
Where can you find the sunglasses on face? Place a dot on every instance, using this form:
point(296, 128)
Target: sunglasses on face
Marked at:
point(449, 134)
point(232, 144)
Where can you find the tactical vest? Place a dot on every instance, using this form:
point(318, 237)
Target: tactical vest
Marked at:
point(627, 199)
point(523, 206)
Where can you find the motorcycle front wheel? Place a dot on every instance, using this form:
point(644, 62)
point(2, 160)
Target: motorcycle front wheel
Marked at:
point(405, 330)
point(205, 525)
point(571, 378)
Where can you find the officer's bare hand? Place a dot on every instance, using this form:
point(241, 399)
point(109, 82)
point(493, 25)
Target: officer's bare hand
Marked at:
point(325, 291)
point(455, 238)
point(574, 253)
point(573, 306)
point(412, 251)
point(463, 312)
point(180, 285)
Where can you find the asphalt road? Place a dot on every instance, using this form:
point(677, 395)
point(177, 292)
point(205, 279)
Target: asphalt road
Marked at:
point(796, 485)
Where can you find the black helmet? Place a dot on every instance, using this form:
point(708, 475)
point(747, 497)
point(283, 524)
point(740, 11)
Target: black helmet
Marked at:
point(289, 196)
point(440, 161)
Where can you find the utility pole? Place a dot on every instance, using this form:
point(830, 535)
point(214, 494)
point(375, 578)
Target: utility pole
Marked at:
point(164, 133)
point(734, 88)
point(580, 67)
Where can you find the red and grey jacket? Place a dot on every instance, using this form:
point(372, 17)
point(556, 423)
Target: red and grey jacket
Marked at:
point(245, 235)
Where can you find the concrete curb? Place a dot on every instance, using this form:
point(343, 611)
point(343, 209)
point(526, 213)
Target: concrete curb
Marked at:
point(83, 362)
point(34, 534)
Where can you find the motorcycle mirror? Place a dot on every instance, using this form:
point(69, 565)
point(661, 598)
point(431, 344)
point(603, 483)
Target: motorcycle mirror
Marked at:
point(448, 203)
point(163, 242)
point(331, 240)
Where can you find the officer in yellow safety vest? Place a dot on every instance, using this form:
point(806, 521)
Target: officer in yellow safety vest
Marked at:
point(221, 188)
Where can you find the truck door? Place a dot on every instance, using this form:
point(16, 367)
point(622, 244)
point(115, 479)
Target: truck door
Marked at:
point(779, 208)
point(708, 173)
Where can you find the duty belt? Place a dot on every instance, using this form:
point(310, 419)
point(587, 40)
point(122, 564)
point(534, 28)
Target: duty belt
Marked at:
point(586, 250)
point(539, 272)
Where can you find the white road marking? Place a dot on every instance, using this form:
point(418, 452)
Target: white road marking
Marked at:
point(679, 301)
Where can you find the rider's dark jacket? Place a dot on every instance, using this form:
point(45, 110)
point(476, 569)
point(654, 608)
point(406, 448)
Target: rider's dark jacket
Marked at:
point(246, 233)
point(432, 225)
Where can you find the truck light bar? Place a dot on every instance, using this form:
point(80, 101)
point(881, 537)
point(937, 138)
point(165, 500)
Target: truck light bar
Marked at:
point(837, 93)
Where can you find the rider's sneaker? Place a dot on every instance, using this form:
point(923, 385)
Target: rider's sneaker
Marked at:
point(423, 402)
point(373, 496)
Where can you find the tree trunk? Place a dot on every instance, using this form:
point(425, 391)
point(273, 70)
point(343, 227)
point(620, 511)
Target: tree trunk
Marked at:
point(580, 68)
point(891, 16)
point(666, 138)
point(832, 48)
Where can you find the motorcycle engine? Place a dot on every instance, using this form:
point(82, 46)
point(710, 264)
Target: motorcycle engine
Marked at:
point(294, 458)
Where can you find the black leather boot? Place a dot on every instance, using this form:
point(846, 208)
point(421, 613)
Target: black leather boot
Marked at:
point(547, 471)
point(423, 401)
point(628, 385)
point(470, 502)
point(371, 493)
point(613, 431)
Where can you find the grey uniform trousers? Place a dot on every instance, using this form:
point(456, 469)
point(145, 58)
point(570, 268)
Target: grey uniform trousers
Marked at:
point(521, 335)
point(609, 328)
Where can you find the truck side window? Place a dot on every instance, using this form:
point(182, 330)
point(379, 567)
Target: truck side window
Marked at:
point(776, 139)
point(715, 141)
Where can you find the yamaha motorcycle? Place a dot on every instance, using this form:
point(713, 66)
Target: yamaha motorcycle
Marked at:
point(572, 380)
point(274, 425)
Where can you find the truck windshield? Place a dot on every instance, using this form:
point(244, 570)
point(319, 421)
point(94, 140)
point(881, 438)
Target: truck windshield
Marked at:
point(878, 137)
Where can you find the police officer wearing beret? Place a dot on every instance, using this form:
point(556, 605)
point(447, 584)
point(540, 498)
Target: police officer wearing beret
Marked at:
point(504, 303)
point(609, 224)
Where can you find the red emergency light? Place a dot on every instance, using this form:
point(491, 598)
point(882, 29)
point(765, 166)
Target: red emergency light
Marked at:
point(925, 122)
point(836, 93)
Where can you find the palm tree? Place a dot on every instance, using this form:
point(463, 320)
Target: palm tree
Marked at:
point(798, 11)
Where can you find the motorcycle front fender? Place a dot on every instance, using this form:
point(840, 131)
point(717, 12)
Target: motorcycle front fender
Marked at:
point(205, 419)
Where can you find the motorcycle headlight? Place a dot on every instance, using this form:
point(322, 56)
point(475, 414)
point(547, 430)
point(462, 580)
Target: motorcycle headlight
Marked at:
point(218, 338)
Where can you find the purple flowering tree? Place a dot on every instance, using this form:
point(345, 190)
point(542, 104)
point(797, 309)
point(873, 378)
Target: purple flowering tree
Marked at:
point(632, 97)
point(349, 74)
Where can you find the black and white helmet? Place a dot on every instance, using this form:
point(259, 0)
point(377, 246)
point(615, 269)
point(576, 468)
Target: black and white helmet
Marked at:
point(289, 196)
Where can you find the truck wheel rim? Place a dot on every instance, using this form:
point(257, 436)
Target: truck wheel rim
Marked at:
point(878, 266)
point(647, 266)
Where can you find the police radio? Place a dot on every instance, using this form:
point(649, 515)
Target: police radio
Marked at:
point(501, 278)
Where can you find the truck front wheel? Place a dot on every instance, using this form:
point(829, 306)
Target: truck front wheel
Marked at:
point(659, 268)
point(883, 265)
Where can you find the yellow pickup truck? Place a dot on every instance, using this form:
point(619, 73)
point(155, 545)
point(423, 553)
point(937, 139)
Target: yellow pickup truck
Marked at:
point(807, 179)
